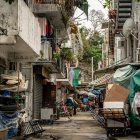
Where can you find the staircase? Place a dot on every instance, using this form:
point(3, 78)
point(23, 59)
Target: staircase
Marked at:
point(124, 12)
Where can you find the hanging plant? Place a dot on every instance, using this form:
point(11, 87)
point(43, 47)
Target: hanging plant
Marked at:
point(56, 55)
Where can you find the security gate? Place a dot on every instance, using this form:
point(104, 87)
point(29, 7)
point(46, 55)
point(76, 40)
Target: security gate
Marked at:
point(37, 96)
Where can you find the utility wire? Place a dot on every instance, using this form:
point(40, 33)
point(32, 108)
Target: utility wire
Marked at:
point(79, 15)
point(82, 19)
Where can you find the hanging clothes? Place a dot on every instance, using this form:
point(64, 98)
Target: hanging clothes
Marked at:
point(76, 76)
point(47, 28)
point(71, 75)
point(51, 32)
point(42, 22)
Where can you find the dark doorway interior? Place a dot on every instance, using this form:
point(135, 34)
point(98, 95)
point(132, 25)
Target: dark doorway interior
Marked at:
point(49, 96)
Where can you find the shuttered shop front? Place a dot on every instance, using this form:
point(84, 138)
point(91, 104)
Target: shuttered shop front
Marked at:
point(37, 96)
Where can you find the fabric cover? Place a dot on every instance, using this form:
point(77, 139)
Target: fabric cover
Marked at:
point(123, 75)
point(134, 88)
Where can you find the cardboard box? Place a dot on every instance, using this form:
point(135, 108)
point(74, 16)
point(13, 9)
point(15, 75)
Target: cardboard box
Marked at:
point(116, 93)
point(116, 97)
point(3, 133)
point(113, 104)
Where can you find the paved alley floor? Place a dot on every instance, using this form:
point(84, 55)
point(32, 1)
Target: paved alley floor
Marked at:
point(79, 127)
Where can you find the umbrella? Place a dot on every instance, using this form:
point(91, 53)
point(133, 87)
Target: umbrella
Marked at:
point(83, 92)
point(91, 94)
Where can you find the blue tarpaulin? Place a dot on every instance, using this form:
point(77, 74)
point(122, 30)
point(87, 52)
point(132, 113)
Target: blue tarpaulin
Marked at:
point(9, 121)
point(97, 91)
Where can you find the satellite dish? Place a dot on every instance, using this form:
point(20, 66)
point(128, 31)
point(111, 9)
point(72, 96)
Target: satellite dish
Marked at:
point(128, 27)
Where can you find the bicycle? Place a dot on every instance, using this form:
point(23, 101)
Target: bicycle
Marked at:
point(62, 109)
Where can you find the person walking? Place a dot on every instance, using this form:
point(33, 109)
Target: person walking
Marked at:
point(72, 104)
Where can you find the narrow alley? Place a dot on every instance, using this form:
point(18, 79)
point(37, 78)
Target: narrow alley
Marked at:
point(79, 127)
point(76, 58)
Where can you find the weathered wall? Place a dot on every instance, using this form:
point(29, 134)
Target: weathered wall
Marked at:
point(8, 17)
point(29, 29)
point(19, 20)
point(136, 17)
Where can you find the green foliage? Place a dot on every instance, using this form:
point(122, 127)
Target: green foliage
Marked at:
point(107, 4)
point(92, 42)
point(56, 55)
point(67, 54)
point(79, 57)
point(84, 33)
point(94, 52)
point(9, 1)
point(96, 39)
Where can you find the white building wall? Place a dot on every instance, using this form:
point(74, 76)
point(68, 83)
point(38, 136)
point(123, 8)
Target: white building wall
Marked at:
point(136, 11)
point(119, 50)
point(3, 51)
point(29, 28)
point(8, 17)
point(19, 20)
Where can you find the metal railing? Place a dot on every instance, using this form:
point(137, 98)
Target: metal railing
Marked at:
point(122, 61)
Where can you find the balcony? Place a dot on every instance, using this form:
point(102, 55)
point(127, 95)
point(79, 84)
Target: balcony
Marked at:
point(22, 24)
point(52, 10)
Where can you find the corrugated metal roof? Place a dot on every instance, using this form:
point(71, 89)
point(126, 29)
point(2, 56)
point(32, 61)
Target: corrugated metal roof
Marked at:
point(107, 78)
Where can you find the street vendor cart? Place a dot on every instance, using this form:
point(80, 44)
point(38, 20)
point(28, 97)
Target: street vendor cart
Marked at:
point(116, 122)
point(115, 110)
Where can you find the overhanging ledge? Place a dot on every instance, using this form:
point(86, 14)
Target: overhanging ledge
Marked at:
point(63, 81)
point(49, 65)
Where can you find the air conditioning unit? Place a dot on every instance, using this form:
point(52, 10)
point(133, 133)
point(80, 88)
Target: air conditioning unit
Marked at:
point(121, 42)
